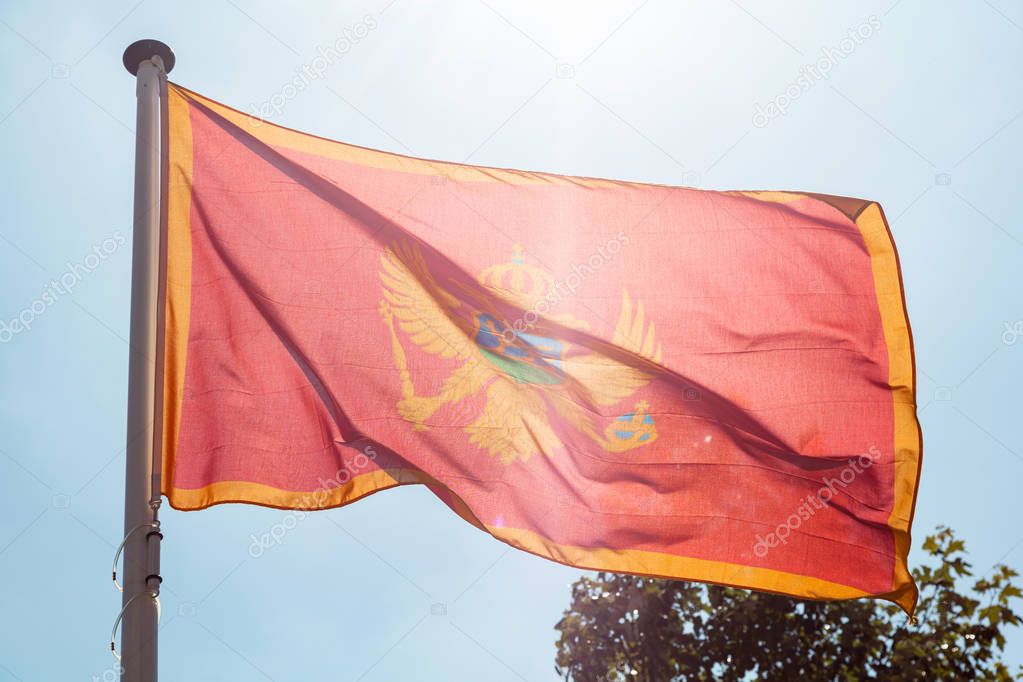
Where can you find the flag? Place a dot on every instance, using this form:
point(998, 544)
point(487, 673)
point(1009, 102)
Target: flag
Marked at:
point(657, 380)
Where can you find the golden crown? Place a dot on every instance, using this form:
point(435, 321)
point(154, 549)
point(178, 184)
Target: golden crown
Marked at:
point(520, 281)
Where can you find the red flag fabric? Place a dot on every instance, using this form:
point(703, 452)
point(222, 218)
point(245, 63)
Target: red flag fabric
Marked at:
point(713, 386)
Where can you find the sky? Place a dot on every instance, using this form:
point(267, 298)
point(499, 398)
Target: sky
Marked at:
point(922, 113)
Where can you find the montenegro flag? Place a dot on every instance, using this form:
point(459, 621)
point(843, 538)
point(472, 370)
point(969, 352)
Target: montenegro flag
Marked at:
point(702, 385)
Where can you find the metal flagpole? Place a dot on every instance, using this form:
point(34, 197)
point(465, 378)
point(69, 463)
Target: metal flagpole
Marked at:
point(149, 61)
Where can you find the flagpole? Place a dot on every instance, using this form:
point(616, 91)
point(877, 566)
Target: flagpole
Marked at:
point(149, 61)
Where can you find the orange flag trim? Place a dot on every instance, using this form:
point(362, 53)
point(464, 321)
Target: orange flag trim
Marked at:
point(709, 386)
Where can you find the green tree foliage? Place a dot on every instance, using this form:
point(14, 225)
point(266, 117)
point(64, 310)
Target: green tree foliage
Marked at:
point(622, 627)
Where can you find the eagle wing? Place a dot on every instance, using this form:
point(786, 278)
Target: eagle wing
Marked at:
point(607, 381)
point(424, 311)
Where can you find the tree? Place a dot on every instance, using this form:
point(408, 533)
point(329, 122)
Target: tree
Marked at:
point(622, 627)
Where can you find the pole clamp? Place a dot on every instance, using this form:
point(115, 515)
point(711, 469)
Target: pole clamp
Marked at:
point(120, 548)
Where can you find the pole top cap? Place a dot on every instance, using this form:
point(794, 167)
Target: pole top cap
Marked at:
point(141, 50)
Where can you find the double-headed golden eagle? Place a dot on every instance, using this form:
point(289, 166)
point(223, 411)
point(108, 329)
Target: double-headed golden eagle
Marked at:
point(512, 386)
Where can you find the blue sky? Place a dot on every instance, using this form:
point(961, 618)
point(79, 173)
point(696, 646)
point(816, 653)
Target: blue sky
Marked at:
point(923, 115)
